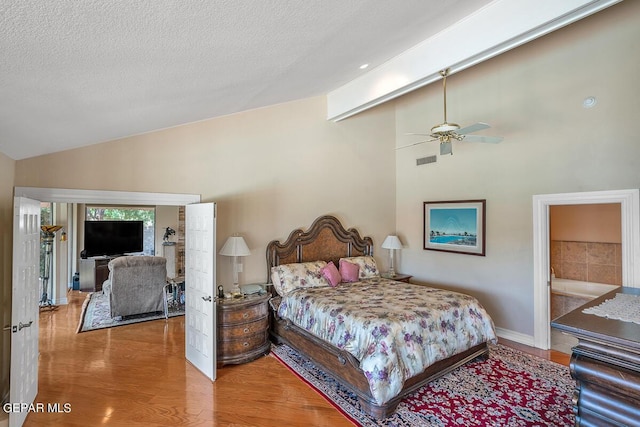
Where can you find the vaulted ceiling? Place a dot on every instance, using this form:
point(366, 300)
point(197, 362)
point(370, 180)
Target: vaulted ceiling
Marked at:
point(75, 73)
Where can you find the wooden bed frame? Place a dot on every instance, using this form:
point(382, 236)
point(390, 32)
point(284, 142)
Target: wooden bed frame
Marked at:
point(327, 240)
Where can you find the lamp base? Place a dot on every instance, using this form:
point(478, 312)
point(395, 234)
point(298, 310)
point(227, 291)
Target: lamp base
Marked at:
point(392, 268)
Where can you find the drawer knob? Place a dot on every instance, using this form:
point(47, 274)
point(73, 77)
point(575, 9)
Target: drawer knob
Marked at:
point(245, 315)
point(245, 344)
point(246, 330)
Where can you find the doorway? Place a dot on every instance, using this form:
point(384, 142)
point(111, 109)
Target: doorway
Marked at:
point(57, 195)
point(629, 201)
point(585, 255)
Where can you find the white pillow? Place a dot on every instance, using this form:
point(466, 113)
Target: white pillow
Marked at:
point(289, 277)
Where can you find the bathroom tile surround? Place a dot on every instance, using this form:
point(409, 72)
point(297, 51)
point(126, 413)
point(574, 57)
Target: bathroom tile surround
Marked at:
point(587, 261)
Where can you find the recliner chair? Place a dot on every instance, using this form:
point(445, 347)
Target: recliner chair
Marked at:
point(136, 285)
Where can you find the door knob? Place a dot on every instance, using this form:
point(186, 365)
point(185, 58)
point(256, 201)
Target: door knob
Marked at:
point(207, 298)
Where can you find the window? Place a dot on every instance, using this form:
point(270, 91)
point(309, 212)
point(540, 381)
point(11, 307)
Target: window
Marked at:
point(145, 214)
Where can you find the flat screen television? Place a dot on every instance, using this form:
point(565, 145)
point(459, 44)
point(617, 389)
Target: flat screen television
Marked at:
point(112, 237)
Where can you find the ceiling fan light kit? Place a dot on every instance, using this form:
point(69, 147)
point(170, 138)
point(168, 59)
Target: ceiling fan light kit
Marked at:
point(446, 132)
point(444, 128)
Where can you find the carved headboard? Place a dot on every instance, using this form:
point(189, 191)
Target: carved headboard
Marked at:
point(325, 240)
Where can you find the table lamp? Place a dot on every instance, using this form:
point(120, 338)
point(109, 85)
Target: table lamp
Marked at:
point(235, 246)
point(392, 243)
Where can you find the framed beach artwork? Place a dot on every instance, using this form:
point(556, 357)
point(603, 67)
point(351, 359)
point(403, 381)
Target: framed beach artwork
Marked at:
point(455, 226)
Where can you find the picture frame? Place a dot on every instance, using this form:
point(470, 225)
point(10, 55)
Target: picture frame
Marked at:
point(455, 226)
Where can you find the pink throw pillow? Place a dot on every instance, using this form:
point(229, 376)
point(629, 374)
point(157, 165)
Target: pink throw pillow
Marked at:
point(331, 273)
point(349, 271)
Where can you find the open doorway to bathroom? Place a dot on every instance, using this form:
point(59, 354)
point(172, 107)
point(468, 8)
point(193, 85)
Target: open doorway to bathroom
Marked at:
point(585, 248)
point(629, 201)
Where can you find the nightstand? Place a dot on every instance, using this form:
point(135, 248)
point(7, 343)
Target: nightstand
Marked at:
point(398, 277)
point(243, 329)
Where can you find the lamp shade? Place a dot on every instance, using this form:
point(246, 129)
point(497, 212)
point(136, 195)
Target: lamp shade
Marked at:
point(235, 246)
point(392, 242)
point(50, 230)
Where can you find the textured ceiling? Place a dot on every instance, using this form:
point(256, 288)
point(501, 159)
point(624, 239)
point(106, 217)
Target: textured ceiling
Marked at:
point(75, 73)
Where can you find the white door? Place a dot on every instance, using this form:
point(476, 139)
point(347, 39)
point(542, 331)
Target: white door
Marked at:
point(23, 385)
point(200, 274)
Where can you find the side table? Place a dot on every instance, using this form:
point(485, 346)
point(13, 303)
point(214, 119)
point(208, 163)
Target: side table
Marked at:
point(605, 365)
point(399, 277)
point(243, 329)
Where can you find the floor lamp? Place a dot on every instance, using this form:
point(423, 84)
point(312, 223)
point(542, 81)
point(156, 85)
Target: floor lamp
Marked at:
point(48, 236)
point(235, 246)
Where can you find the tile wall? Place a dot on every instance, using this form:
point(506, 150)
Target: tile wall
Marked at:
point(587, 261)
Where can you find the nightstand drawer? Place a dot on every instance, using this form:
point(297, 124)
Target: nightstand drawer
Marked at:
point(243, 346)
point(243, 330)
point(246, 314)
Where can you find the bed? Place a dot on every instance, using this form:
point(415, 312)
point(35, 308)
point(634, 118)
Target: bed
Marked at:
point(379, 338)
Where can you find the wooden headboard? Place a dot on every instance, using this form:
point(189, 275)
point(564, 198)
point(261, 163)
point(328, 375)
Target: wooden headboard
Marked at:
point(325, 240)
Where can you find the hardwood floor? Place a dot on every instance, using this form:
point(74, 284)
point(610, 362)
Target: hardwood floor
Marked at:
point(136, 375)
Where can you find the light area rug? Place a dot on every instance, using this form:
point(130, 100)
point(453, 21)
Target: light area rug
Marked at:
point(509, 388)
point(96, 314)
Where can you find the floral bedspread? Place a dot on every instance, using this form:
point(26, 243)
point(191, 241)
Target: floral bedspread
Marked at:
point(395, 329)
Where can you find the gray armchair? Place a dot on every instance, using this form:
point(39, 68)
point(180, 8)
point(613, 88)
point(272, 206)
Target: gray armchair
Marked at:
point(136, 285)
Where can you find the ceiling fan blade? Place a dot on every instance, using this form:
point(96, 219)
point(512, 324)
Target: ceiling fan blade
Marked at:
point(421, 134)
point(480, 138)
point(416, 143)
point(473, 128)
point(446, 148)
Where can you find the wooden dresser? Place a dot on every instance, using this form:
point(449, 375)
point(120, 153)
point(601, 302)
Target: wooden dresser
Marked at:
point(243, 329)
point(605, 365)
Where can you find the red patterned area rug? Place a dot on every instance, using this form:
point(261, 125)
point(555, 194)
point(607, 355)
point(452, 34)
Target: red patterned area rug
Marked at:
point(510, 388)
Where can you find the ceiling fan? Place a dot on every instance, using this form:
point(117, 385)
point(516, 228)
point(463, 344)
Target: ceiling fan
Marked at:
point(447, 132)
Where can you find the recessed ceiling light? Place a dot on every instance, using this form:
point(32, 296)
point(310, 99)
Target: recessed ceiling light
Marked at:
point(363, 66)
point(589, 102)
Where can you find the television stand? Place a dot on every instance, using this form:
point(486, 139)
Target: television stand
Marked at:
point(93, 272)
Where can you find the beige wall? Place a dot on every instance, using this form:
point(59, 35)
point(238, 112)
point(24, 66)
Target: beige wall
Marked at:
point(7, 168)
point(166, 216)
point(586, 223)
point(269, 171)
point(533, 97)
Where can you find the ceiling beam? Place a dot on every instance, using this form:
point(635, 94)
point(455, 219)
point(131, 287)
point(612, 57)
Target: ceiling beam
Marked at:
point(496, 28)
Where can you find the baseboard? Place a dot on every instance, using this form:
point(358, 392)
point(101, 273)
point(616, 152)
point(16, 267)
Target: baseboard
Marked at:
point(515, 336)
